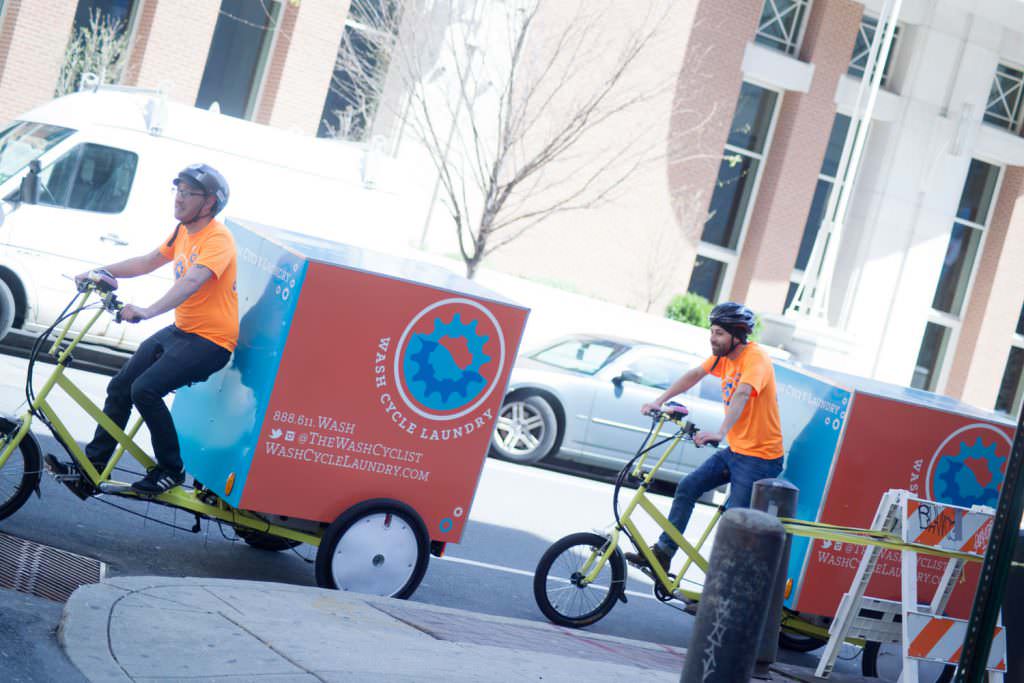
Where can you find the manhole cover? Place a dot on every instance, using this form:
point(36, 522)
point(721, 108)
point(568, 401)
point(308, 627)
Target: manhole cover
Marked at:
point(44, 571)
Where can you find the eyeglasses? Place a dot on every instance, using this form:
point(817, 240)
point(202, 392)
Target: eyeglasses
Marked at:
point(187, 194)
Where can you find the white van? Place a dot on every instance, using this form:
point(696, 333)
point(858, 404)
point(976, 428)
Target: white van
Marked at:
point(107, 158)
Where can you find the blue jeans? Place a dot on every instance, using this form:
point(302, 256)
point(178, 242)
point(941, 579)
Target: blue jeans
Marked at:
point(741, 471)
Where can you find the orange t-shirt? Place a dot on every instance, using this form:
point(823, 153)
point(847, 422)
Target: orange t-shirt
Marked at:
point(212, 312)
point(758, 431)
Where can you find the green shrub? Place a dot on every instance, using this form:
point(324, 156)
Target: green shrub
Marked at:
point(694, 309)
point(689, 308)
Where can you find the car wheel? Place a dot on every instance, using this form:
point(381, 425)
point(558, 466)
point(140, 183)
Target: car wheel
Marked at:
point(526, 430)
point(7, 309)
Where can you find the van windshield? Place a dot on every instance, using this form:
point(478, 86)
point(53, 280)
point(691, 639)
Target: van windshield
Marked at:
point(24, 141)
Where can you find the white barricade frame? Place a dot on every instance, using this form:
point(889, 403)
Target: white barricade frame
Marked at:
point(925, 634)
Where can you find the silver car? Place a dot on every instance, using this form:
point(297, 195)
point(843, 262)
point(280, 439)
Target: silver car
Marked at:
point(578, 399)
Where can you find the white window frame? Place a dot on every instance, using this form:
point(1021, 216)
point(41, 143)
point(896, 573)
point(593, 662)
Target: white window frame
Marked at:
point(893, 51)
point(949, 320)
point(730, 257)
point(256, 98)
point(797, 275)
point(792, 47)
point(1017, 112)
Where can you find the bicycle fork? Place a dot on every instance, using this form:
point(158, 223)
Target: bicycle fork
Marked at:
point(591, 569)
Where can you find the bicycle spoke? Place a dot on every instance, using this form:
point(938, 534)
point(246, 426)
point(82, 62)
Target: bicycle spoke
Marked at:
point(572, 599)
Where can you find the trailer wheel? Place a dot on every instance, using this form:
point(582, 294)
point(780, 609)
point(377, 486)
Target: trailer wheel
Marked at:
point(378, 547)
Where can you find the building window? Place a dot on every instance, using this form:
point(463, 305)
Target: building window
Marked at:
point(238, 55)
point(1011, 389)
point(1004, 99)
point(360, 69)
point(781, 26)
point(119, 11)
point(862, 48)
point(816, 216)
point(972, 217)
point(738, 174)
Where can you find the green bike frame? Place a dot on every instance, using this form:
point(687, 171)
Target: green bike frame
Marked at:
point(179, 497)
point(600, 556)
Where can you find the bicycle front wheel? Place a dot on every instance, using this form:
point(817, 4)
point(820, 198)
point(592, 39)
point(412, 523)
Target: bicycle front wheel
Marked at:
point(558, 585)
point(19, 476)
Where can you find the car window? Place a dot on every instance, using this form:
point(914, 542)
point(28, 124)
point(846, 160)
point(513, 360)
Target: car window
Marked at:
point(658, 371)
point(582, 355)
point(89, 177)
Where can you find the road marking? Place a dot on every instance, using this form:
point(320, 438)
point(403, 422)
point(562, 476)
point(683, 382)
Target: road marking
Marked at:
point(523, 572)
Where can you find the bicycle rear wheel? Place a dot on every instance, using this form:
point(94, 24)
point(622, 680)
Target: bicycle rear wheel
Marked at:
point(557, 586)
point(19, 476)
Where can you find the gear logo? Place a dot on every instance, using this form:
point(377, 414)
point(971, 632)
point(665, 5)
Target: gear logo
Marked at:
point(448, 358)
point(969, 467)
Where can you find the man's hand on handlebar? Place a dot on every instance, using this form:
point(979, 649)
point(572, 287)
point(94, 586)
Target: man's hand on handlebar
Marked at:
point(132, 314)
point(102, 278)
point(648, 408)
point(711, 438)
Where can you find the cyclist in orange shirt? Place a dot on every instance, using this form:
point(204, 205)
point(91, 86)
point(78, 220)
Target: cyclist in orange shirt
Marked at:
point(205, 329)
point(751, 424)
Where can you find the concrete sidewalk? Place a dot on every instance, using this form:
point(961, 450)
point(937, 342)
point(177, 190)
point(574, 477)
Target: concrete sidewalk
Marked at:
point(159, 629)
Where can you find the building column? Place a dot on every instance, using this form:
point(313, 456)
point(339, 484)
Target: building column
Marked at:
point(706, 93)
point(794, 160)
point(995, 301)
point(170, 46)
point(296, 80)
point(33, 40)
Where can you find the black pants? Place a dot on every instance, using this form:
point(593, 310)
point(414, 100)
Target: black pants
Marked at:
point(168, 360)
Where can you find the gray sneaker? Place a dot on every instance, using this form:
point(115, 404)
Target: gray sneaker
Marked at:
point(159, 480)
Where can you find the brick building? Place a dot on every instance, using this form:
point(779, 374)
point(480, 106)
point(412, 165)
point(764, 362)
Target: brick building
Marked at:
point(238, 53)
point(926, 288)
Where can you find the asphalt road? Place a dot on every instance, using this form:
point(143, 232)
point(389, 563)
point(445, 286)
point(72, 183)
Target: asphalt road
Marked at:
point(518, 512)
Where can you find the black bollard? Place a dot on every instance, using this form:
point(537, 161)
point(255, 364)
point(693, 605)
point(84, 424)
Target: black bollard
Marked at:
point(741, 574)
point(777, 497)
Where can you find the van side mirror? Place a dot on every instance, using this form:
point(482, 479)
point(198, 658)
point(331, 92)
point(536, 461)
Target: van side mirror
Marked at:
point(29, 192)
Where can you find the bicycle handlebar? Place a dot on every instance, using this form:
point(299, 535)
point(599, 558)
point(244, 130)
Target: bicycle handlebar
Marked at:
point(676, 412)
point(103, 283)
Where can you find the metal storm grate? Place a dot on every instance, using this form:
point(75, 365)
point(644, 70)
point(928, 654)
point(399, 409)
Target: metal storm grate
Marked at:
point(44, 571)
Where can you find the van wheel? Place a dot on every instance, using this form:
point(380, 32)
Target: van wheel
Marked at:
point(6, 309)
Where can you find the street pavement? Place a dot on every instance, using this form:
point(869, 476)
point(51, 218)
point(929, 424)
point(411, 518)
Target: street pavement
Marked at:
point(148, 629)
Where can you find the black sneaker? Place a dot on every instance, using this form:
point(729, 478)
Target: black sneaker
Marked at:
point(159, 480)
point(639, 560)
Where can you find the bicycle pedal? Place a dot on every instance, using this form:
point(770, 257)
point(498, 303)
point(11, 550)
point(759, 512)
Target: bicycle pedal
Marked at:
point(115, 487)
point(61, 471)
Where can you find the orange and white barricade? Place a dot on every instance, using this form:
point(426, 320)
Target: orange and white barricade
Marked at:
point(925, 634)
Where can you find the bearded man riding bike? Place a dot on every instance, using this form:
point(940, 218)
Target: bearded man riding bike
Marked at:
point(751, 424)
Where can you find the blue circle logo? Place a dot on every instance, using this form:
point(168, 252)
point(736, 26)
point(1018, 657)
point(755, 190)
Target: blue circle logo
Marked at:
point(449, 358)
point(969, 467)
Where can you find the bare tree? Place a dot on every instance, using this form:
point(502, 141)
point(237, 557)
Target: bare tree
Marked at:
point(100, 48)
point(512, 105)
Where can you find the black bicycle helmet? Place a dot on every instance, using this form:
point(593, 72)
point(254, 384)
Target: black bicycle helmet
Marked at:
point(734, 318)
point(210, 179)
